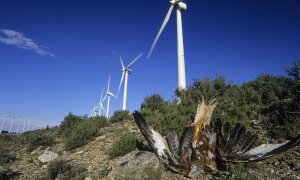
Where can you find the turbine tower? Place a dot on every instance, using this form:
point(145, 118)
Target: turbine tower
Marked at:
point(108, 94)
point(125, 72)
point(180, 7)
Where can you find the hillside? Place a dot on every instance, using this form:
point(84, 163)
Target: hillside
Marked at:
point(92, 162)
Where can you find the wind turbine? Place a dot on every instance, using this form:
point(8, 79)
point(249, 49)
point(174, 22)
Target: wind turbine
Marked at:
point(12, 122)
point(180, 6)
point(108, 94)
point(24, 126)
point(3, 121)
point(94, 111)
point(125, 72)
point(101, 103)
point(19, 122)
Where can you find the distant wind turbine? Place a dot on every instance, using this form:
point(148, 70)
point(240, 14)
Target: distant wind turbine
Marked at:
point(24, 127)
point(180, 6)
point(12, 122)
point(3, 121)
point(19, 122)
point(94, 111)
point(125, 72)
point(108, 94)
point(100, 104)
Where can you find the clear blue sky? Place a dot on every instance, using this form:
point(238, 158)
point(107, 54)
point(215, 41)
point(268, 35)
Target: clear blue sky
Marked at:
point(55, 56)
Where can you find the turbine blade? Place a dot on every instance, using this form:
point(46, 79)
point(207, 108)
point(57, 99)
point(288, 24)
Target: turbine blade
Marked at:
point(108, 84)
point(137, 58)
point(160, 31)
point(102, 107)
point(101, 96)
point(121, 81)
point(121, 60)
point(104, 98)
point(113, 95)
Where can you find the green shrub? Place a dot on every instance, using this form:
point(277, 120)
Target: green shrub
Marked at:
point(57, 167)
point(69, 121)
point(119, 116)
point(43, 140)
point(5, 157)
point(102, 121)
point(66, 171)
point(80, 134)
point(153, 102)
point(124, 145)
point(104, 171)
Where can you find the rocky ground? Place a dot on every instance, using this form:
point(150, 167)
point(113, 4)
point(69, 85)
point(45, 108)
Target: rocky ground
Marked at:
point(92, 162)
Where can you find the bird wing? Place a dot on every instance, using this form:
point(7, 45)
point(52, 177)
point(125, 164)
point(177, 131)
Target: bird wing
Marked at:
point(173, 143)
point(238, 145)
point(158, 143)
point(186, 146)
point(265, 151)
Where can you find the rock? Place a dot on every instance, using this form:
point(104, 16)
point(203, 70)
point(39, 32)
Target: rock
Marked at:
point(137, 165)
point(90, 169)
point(255, 122)
point(88, 178)
point(79, 152)
point(47, 156)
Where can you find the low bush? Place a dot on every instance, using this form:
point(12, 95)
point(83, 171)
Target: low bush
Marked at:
point(43, 140)
point(5, 157)
point(119, 116)
point(56, 167)
point(69, 121)
point(66, 171)
point(124, 145)
point(153, 102)
point(80, 134)
point(104, 171)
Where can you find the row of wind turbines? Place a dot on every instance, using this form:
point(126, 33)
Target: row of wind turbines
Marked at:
point(20, 125)
point(180, 6)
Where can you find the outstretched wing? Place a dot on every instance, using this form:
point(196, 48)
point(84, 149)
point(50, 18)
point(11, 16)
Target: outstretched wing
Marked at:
point(268, 150)
point(158, 143)
point(238, 145)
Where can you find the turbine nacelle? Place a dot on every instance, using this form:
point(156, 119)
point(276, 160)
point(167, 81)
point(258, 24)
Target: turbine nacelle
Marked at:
point(127, 70)
point(179, 4)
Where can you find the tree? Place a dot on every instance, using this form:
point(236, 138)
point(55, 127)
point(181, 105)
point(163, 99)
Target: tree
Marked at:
point(153, 102)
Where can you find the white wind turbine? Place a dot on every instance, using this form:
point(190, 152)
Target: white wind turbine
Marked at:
point(94, 111)
point(24, 126)
point(180, 6)
point(11, 125)
point(19, 122)
point(100, 105)
point(108, 94)
point(3, 121)
point(125, 72)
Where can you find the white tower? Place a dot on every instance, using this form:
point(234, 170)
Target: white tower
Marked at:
point(180, 7)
